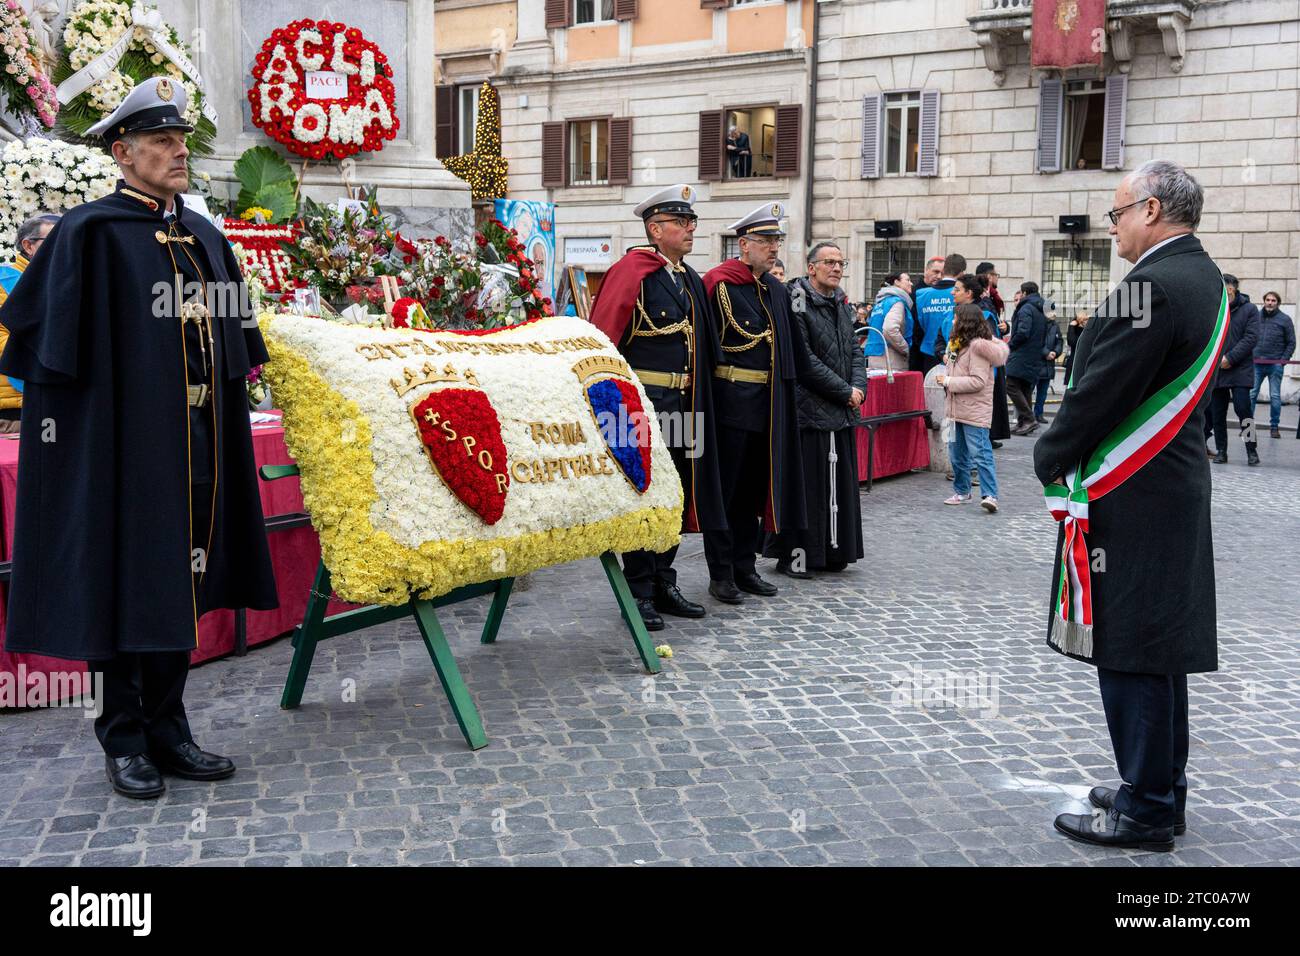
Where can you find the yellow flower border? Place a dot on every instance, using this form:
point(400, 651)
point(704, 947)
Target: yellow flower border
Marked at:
point(329, 438)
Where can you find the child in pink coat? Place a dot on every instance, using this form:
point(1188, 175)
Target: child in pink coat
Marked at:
point(970, 363)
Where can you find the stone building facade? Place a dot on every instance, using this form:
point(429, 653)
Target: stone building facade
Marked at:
point(984, 155)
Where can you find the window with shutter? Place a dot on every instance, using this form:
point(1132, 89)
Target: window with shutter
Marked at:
point(710, 146)
point(590, 152)
point(928, 163)
point(1112, 148)
point(1051, 115)
point(553, 155)
point(625, 9)
point(789, 142)
point(620, 152)
point(444, 108)
point(557, 14)
point(1051, 97)
point(872, 106)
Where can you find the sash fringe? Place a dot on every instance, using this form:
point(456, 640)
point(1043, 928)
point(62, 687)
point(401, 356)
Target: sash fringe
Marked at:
point(1071, 637)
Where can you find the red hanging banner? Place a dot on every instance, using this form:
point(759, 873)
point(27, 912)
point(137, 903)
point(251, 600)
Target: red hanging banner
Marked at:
point(1068, 33)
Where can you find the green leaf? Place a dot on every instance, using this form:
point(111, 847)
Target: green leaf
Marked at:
point(277, 197)
point(258, 168)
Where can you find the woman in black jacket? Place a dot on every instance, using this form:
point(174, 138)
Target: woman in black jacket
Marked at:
point(829, 401)
point(1001, 426)
point(1072, 333)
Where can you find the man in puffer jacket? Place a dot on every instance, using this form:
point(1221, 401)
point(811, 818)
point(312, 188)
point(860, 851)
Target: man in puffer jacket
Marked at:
point(892, 315)
point(828, 400)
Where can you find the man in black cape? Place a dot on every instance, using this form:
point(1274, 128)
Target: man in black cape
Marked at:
point(138, 506)
point(653, 307)
point(758, 450)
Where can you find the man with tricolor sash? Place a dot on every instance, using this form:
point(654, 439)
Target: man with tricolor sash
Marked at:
point(1125, 472)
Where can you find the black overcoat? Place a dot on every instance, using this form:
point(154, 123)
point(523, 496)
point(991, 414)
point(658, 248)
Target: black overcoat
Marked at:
point(101, 557)
point(1153, 604)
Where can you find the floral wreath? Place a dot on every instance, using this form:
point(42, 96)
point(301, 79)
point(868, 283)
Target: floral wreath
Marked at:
point(317, 128)
point(92, 28)
point(31, 95)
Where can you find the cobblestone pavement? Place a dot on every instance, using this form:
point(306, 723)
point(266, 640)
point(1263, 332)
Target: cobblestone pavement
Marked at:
point(791, 731)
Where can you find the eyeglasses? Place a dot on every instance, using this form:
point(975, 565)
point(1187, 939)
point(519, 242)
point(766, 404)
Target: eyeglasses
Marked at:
point(685, 222)
point(764, 240)
point(1114, 214)
point(831, 263)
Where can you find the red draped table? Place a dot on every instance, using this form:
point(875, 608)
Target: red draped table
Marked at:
point(295, 553)
point(899, 446)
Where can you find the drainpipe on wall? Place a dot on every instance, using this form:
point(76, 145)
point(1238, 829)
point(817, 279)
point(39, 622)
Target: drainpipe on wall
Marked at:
point(812, 131)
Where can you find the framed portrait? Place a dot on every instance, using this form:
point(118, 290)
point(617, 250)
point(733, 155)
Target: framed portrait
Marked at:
point(577, 277)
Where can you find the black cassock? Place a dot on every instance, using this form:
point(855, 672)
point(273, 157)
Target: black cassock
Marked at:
point(758, 450)
point(103, 540)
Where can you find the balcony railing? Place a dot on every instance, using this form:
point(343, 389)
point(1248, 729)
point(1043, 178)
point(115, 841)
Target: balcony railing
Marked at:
point(1018, 5)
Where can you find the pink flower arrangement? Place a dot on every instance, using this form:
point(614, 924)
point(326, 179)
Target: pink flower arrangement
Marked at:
point(20, 71)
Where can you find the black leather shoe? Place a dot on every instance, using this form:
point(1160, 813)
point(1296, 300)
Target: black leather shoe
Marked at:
point(670, 600)
point(1252, 456)
point(997, 444)
point(190, 763)
point(649, 616)
point(834, 567)
point(134, 776)
point(751, 583)
point(1041, 420)
point(786, 568)
point(1221, 458)
point(1104, 797)
point(726, 592)
point(1115, 829)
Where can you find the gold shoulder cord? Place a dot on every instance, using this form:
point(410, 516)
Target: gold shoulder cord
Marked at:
point(750, 339)
point(643, 326)
point(203, 319)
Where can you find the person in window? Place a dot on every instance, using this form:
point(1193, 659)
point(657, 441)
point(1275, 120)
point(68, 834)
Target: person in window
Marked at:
point(739, 153)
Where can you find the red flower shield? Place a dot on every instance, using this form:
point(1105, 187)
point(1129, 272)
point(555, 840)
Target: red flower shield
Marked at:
point(462, 435)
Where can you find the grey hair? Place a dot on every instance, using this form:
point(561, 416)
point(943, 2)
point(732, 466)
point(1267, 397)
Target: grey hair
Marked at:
point(1181, 196)
point(825, 244)
point(31, 227)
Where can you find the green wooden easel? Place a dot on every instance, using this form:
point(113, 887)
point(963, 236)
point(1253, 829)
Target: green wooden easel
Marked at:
point(317, 627)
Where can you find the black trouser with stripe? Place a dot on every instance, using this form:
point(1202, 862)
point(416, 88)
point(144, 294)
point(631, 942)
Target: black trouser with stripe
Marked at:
point(744, 467)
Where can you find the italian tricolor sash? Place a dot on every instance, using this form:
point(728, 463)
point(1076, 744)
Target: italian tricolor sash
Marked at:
point(1133, 443)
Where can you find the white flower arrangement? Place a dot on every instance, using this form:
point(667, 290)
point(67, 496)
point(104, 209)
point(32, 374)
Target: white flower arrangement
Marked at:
point(47, 175)
point(389, 523)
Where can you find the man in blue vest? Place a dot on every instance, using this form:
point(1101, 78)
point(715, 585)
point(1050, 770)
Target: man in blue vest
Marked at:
point(934, 305)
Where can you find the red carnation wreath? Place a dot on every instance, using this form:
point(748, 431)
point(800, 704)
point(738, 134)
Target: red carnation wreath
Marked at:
point(350, 104)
